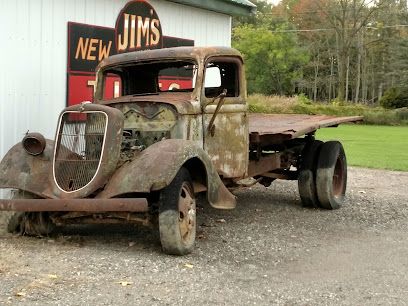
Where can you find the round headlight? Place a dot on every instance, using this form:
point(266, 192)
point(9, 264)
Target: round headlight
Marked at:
point(34, 143)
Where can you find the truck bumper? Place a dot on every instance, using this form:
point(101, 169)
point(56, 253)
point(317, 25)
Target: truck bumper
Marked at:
point(77, 205)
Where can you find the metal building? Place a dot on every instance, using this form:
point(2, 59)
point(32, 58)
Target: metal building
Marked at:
point(39, 74)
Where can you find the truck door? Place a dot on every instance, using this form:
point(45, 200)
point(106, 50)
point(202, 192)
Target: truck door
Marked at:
point(226, 128)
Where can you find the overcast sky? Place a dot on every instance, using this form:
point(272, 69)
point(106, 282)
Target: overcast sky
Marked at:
point(273, 1)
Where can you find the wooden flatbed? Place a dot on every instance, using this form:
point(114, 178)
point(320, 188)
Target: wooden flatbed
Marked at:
point(275, 128)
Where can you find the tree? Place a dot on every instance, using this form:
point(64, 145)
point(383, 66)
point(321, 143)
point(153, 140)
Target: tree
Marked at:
point(273, 60)
point(263, 9)
point(352, 50)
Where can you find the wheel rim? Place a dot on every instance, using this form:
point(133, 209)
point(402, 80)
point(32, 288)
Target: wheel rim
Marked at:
point(338, 178)
point(187, 212)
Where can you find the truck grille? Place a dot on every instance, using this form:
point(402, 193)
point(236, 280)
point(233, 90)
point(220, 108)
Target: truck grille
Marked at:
point(79, 148)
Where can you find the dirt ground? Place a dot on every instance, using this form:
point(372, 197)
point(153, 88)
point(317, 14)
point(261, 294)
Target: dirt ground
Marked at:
point(269, 250)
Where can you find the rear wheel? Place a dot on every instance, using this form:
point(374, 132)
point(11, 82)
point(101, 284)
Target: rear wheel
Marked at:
point(27, 223)
point(177, 215)
point(331, 175)
point(307, 174)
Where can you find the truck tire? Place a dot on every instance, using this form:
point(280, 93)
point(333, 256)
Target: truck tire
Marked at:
point(307, 174)
point(177, 215)
point(28, 223)
point(331, 175)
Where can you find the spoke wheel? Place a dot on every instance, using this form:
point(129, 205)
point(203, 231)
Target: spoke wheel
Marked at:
point(177, 215)
point(187, 212)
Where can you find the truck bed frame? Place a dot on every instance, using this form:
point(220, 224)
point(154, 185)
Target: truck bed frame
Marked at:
point(276, 142)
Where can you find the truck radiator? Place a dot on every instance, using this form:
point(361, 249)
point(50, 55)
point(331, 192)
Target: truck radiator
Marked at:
point(78, 151)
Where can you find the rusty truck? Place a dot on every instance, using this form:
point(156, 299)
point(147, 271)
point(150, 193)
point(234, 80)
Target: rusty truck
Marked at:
point(142, 154)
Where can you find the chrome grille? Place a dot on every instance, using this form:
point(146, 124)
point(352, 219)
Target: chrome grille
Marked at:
point(79, 148)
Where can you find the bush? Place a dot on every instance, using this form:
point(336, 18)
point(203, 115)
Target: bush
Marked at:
point(395, 98)
point(302, 99)
point(298, 105)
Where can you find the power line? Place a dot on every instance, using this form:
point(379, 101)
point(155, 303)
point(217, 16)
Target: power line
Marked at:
point(332, 29)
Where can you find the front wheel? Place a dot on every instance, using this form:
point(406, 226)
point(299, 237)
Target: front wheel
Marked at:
point(27, 223)
point(177, 215)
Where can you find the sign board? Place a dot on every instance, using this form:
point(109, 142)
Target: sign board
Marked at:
point(137, 27)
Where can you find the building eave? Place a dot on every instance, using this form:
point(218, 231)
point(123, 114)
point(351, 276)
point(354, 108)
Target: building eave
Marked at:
point(229, 7)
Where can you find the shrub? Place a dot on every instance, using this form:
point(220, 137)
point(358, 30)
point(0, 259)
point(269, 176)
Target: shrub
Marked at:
point(395, 98)
point(302, 99)
point(297, 105)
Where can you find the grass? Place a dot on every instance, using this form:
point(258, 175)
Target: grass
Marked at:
point(384, 147)
point(302, 105)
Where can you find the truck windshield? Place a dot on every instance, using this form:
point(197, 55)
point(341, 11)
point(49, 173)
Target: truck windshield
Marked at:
point(149, 78)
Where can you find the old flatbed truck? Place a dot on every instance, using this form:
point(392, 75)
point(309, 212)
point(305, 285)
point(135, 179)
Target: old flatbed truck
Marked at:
point(143, 155)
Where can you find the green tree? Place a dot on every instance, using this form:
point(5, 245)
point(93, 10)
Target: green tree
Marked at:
point(262, 16)
point(273, 59)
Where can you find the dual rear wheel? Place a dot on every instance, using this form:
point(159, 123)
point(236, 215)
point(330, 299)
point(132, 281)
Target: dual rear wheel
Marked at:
point(323, 175)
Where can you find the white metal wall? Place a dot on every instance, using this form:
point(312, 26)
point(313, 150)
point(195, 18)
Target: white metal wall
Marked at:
point(33, 53)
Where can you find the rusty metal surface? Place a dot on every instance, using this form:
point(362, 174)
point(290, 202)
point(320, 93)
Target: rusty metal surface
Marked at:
point(180, 100)
point(155, 167)
point(79, 149)
point(185, 102)
point(265, 164)
point(34, 143)
point(293, 126)
point(230, 124)
point(20, 170)
point(227, 145)
point(75, 205)
point(225, 123)
point(198, 53)
point(110, 153)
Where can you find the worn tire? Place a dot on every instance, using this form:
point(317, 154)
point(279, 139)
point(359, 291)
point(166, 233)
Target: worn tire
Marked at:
point(177, 215)
point(307, 174)
point(29, 223)
point(331, 175)
point(9, 221)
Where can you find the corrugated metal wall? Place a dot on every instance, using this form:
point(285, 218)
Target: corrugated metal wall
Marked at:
point(33, 53)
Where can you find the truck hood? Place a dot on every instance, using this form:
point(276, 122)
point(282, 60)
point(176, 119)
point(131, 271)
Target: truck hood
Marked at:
point(184, 102)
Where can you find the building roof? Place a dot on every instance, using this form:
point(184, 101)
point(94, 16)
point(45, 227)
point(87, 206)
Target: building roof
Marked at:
point(229, 7)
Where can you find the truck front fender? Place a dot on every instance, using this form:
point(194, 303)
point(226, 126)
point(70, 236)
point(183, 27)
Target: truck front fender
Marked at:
point(154, 169)
point(20, 170)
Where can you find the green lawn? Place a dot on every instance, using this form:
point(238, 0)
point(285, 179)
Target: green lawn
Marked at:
point(384, 147)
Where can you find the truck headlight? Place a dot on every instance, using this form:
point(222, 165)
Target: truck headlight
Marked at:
point(34, 143)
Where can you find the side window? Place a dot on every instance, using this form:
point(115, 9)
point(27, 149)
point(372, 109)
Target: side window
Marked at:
point(221, 75)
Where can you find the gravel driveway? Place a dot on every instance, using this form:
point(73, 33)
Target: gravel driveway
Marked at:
point(269, 250)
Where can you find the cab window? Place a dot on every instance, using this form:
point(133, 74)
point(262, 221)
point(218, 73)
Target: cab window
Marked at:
point(220, 75)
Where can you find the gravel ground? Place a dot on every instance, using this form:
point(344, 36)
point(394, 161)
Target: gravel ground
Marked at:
point(269, 250)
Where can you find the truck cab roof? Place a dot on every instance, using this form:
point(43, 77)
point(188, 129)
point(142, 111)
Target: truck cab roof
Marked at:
point(197, 53)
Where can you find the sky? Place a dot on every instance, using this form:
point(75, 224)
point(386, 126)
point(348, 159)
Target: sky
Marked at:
point(273, 1)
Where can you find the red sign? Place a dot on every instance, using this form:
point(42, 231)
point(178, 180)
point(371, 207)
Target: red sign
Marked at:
point(138, 27)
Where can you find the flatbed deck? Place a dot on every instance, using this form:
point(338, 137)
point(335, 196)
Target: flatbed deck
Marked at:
point(274, 128)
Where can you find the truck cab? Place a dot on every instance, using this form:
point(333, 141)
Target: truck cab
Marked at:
point(195, 94)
